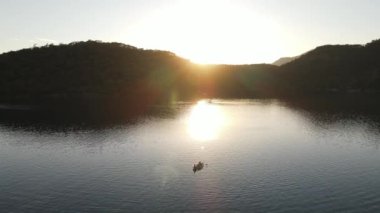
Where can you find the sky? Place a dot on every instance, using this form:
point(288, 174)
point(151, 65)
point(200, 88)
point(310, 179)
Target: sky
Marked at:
point(203, 31)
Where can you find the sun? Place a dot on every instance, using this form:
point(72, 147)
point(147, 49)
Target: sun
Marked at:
point(210, 31)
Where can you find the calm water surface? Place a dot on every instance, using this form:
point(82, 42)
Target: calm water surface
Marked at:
point(262, 156)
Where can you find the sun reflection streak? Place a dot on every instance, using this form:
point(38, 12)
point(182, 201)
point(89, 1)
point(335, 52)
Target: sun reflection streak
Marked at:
point(205, 121)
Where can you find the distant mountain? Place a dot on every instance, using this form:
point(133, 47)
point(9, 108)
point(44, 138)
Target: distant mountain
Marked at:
point(284, 60)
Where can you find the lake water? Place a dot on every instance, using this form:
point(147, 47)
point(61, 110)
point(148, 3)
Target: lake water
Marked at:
point(261, 156)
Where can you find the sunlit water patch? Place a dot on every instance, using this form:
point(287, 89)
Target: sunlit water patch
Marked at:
point(205, 121)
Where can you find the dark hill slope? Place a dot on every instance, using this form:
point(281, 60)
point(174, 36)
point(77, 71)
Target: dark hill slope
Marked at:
point(91, 70)
point(238, 81)
point(96, 71)
point(115, 73)
point(333, 68)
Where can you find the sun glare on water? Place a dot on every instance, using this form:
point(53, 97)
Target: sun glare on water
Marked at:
point(210, 31)
point(205, 121)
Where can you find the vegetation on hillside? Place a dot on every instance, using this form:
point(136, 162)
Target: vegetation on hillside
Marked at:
point(115, 72)
point(97, 70)
point(333, 68)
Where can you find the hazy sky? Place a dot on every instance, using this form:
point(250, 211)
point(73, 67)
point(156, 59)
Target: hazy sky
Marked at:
point(208, 31)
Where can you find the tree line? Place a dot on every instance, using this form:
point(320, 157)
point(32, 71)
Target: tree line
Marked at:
point(114, 72)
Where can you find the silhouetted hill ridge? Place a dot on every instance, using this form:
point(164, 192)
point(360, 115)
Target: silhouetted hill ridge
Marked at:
point(334, 68)
point(98, 70)
point(95, 70)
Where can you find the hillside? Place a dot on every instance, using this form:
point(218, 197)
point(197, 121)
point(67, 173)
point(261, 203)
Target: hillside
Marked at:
point(87, 69)
point(331, 68)
point(117, 72)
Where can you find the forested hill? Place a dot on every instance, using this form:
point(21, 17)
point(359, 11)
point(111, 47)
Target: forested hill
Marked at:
point(88, 69)
point(117, 72)
point(333, 68)
point(96, 70)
